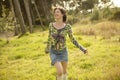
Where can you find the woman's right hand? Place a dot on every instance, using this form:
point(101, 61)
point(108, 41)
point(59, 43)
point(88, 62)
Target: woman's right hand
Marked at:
point(85, 51)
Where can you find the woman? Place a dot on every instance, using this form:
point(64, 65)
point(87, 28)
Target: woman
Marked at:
point(58, 31)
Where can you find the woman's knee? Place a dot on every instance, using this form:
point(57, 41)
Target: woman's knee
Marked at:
point(59, 68)
point(64, 71)
point(64, 65)
point(60, 72)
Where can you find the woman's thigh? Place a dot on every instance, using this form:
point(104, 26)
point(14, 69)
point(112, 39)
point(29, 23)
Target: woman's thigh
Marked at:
point(64, 65)
point(59, 68)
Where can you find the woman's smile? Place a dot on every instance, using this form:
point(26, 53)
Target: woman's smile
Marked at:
point(57, 14)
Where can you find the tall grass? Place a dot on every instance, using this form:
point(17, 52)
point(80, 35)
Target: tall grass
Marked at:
point(105, 29)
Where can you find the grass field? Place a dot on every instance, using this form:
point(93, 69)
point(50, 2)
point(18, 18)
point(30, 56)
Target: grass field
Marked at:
point(24, 58)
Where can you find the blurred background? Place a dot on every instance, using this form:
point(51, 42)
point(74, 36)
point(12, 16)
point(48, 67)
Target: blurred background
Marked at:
point(24, 15)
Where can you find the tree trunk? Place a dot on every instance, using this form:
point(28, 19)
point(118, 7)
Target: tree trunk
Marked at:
point(19, 15)
point(26, 3)
point(32, 13)
point(0, 9)
point(16, 32)
point(38, 14)
point(44, 8)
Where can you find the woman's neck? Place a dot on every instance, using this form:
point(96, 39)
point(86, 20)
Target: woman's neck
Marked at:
point(59, 22)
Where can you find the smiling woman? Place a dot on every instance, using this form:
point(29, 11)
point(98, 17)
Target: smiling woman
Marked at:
point(56, 45)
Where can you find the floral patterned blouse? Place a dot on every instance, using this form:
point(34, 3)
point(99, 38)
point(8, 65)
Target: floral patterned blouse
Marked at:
point(57, 37)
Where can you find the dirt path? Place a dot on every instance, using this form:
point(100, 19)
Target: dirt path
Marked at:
point(4, 35)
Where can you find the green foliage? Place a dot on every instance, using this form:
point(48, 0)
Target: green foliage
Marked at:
point(95, 15)
point(105, 1)
point(106, 13)
point(6, 22)
point(72, 19)
point(116, 16)
point(87, 4)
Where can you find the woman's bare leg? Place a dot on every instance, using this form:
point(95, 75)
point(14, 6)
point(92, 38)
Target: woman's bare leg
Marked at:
point(64, 65)
point(59, 69)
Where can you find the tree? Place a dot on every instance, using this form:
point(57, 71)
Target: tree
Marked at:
point(0, 9)
point(88, 4)
point(18, 13)
point(37, 13)
point(16, 29)
point(105, 1)
point(26, 3)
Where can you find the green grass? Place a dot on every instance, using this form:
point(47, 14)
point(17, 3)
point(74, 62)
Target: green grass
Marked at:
point(24, 58)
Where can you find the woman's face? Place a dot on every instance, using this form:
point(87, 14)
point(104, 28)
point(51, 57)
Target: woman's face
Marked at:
point(58, 14)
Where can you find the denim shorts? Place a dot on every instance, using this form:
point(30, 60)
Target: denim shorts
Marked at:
point(58, 55)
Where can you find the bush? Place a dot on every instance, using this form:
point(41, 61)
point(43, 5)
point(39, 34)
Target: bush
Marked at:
point(95, 15)
point(84, 21)
point(86, 30)
point(72, 19)
point(116, 16)
point(106, 13)
point(108, 29)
